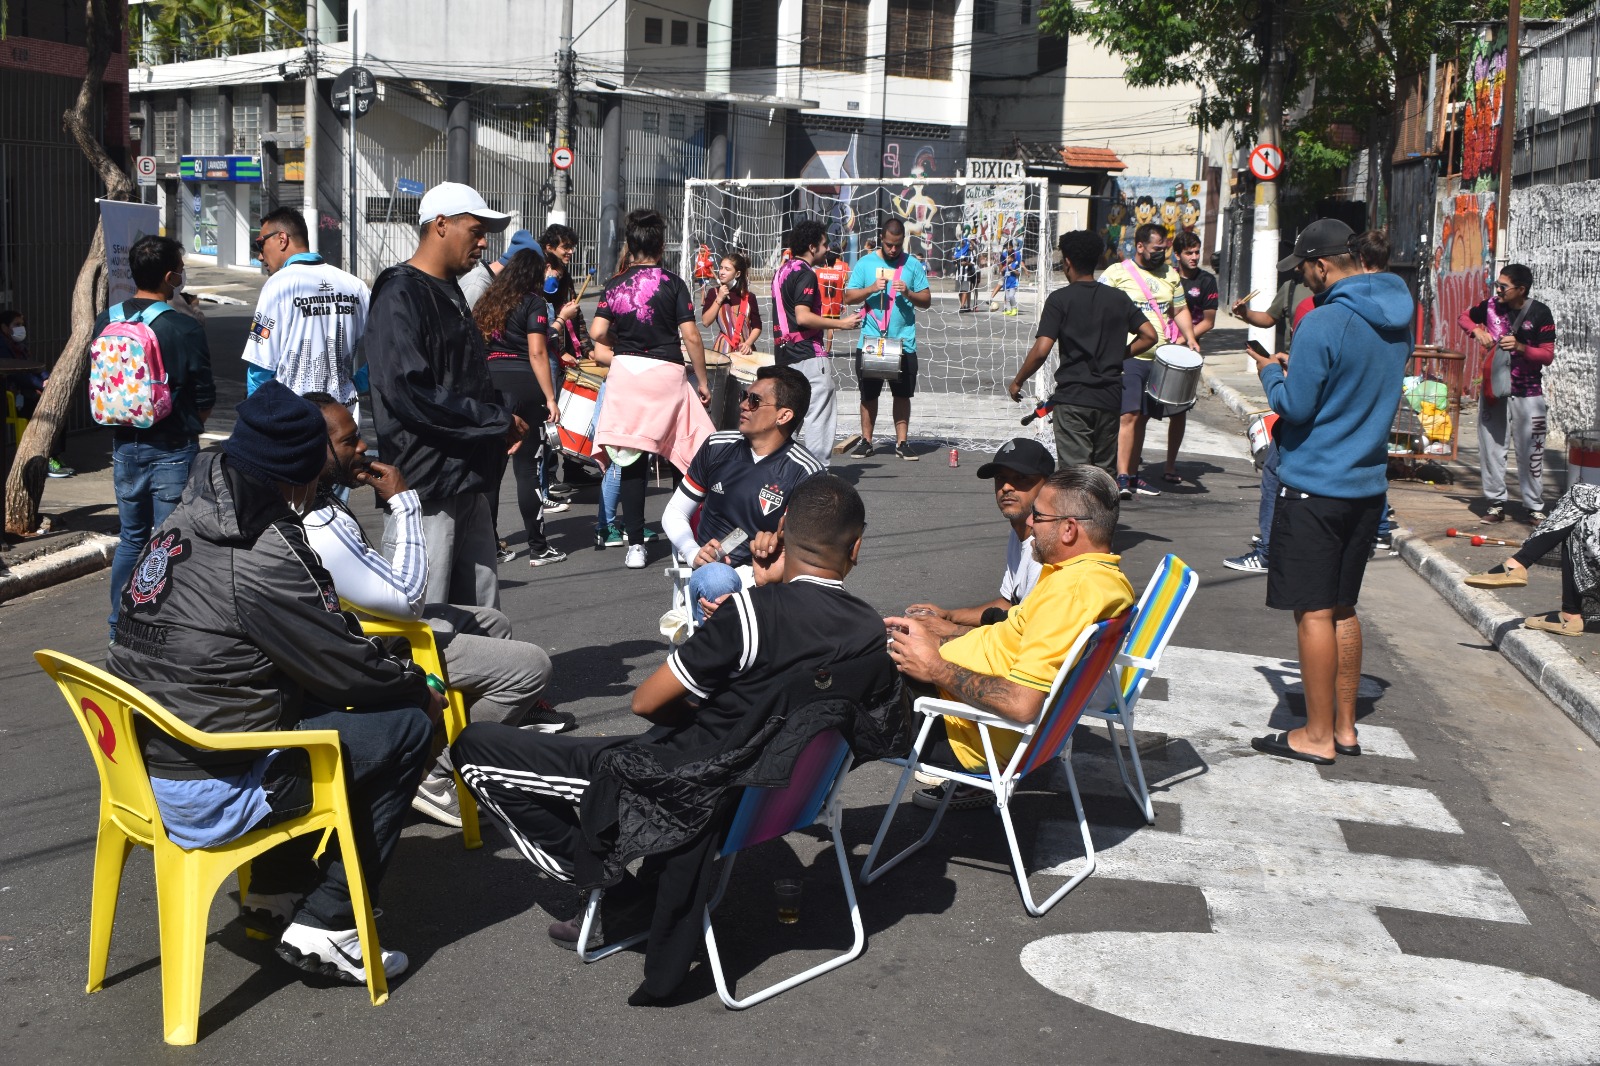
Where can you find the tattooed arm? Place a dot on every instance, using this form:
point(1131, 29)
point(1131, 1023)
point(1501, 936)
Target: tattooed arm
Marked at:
point(915, 651)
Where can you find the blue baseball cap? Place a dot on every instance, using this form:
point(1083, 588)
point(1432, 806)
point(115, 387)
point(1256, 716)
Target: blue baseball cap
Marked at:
point(522, 241)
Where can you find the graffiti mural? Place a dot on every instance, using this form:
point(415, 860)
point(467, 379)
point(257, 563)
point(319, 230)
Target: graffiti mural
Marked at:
point(1485, 80)
point(1177, 205)
point(1462, 260)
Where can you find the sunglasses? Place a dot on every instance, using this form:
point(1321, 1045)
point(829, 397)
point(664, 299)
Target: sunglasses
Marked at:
point(751, 401)
point(260, 241)
point(1039, 516)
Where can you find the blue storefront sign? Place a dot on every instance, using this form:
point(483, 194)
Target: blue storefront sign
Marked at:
point(242, 169)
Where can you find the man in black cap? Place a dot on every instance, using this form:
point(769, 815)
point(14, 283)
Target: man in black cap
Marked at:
point(1019, 469)
point(1092, 322)
point(231, 624)
point(1334, 414)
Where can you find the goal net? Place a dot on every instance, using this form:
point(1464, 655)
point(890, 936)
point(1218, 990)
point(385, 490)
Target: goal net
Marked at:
point(965, 359)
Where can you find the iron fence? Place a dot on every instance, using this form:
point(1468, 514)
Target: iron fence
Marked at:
point(1558, 135)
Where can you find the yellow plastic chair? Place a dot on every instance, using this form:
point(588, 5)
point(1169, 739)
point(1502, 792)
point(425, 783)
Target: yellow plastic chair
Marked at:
point(15, 423)
point(425, 653)
point(186, 880)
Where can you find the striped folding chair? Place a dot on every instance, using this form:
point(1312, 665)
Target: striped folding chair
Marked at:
point(763, 814)
point(1082, 673)
point(1156, 618)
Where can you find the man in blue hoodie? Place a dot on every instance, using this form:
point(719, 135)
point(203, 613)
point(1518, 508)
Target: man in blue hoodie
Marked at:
point(1335, 412)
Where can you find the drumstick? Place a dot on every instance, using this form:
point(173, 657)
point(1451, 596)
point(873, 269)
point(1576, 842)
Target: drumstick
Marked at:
point(582, 288)
point(1247, 297)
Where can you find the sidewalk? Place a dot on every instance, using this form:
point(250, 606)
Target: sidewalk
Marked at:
point(1566, 669)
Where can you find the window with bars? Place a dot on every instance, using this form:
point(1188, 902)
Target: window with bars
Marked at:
point(650, 121)
point(983, 16)
point(699, 34)
point(834, 35)
point(677, 126)
point(165, 145)
point(921, 34)
point(203, 138)
point(680, 33)
point(291, 118)
point(755, 36)
point(652, 31)
point(1027, 12)
point(247, 125)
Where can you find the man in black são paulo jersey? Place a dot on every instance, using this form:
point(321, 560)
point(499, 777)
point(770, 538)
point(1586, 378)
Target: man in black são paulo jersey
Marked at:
point(741, 481)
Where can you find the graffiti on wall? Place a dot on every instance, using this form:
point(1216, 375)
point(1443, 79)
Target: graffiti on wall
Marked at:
point(1486, 76)
point(1462, 260)
point(1178, 206)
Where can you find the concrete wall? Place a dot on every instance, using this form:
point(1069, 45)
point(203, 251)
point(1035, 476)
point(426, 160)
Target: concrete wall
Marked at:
point(1555, 230)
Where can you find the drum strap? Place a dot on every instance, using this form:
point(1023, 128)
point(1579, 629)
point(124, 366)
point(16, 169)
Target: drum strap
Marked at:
point(727, 316)
point(889, 298)
point(785, 335)
point(1168, 326)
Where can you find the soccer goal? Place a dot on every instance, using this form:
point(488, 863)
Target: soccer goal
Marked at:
point(965, 359)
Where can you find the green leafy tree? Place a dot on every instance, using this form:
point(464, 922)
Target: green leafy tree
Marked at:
point(175, 30)
point(1337, 59)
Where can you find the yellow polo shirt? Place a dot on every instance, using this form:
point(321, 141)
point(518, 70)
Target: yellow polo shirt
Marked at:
point(1165, 288)
point(1030, 645)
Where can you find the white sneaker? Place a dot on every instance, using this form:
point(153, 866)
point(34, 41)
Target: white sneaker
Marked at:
point(334, 954)
point(268, 915)
point(436, 798)
point(635, 559)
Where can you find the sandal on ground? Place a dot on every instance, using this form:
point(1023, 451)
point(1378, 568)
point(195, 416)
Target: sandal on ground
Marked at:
point(1171, 478)
point(1279, 745)
point(1554, 623)
point(1348, 749)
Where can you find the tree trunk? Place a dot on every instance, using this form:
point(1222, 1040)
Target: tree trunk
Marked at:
point(25, 482)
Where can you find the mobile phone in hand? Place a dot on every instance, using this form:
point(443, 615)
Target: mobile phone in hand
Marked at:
point(732, 542)
point(1257, 349)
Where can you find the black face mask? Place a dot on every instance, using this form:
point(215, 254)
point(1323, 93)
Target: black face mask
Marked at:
point(1154, 261)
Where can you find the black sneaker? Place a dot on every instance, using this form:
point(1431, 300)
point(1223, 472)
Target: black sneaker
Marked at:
point(563, 490)
point(1383, 542)
point(543, 718)
point(903, 450)
point(546, 557)
point(504, 552)
point(862, 450)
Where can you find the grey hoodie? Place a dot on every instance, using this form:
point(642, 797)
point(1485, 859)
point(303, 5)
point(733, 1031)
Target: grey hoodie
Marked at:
point(231, 623)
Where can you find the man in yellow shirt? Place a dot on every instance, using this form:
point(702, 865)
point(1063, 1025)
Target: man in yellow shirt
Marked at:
point(1152, 283)
point(1008, 668)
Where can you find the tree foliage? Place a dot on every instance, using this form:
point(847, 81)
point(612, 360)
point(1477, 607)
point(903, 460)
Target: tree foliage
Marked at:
point(176, 30)
point(1343, 56)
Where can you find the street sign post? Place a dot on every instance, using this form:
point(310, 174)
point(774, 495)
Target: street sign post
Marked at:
point(357, 84)
point(562, 158)
point(1266, 162)
point(145, 170)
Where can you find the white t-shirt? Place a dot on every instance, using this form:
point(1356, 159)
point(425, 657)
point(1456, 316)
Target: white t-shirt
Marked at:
point(1022, 570)
point(308, 323)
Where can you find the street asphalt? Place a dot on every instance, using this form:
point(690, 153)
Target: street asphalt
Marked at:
point(1431, 901)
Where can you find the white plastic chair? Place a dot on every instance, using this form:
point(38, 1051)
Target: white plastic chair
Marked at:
point(763, 814)
point(1082, 673)
point(1156, 618)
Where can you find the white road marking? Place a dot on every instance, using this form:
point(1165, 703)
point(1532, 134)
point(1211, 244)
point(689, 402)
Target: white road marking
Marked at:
point(1298, 957)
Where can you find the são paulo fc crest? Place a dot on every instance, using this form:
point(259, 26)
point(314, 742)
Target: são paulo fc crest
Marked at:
point(771, 499)
point(150, 580)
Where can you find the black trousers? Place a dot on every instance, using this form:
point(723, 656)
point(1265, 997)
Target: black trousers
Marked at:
point(1537, 547)
point(514, 378)
point(532, 783)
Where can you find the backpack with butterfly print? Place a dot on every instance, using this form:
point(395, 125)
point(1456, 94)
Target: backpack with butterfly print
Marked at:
point(127, 379)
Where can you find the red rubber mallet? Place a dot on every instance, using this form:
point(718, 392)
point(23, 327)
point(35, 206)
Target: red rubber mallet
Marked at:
point(1478, 542)
point(1451, 533)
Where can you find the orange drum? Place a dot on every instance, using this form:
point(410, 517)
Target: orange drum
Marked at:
point(580, 395)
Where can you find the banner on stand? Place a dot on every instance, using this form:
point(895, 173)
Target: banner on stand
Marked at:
point(123, 224)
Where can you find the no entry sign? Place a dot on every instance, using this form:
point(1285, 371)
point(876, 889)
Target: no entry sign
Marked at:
point(562, 158)
point(1266, 162)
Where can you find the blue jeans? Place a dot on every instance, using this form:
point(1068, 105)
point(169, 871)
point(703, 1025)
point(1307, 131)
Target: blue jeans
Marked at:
point(611, 484)
point(148, 479)
point(709, 582)
point(385, 756)
point(1269, 495)
point(1385, 524)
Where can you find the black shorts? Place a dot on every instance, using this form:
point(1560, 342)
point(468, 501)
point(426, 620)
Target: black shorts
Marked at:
point(902, 388)
point(966, 276)
point(1320, 547)
point(1135, 400)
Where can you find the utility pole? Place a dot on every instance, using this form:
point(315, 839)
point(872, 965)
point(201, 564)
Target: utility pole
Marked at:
point(350, 180)
point(565, 75)
point(1269, 129)
point(1508, 129)
point(309, 205)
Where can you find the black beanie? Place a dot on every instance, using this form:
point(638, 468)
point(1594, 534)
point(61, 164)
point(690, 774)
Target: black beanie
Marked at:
point(279, 437)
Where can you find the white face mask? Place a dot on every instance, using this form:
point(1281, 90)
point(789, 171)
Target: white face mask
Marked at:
point(19, 334)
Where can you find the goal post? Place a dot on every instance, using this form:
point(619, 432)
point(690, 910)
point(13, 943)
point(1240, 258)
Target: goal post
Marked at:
point(965, 358)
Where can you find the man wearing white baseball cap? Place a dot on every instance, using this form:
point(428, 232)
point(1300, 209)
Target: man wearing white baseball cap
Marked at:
point(439, 417)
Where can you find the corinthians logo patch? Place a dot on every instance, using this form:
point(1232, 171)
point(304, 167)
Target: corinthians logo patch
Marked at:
point(771, 499)
point(150, 580)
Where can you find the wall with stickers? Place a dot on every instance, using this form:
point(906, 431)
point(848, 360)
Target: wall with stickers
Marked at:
point(1131, 201)
point(1555, 231)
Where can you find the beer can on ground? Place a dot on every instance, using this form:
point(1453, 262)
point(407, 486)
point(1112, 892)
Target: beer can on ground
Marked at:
point(955, 457)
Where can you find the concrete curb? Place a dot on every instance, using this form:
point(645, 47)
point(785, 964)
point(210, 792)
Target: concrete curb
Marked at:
point(1568, 683)
point(85, 557)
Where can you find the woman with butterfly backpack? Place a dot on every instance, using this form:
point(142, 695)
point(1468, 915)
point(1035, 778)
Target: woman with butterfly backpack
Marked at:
point(150, 380)
point(1520, 334)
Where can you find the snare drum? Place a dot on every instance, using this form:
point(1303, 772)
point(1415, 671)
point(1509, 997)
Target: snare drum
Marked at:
point(881, 358)
point(579, 394)
point(597, 371)
point(1175, 377)
point(1583, 459)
